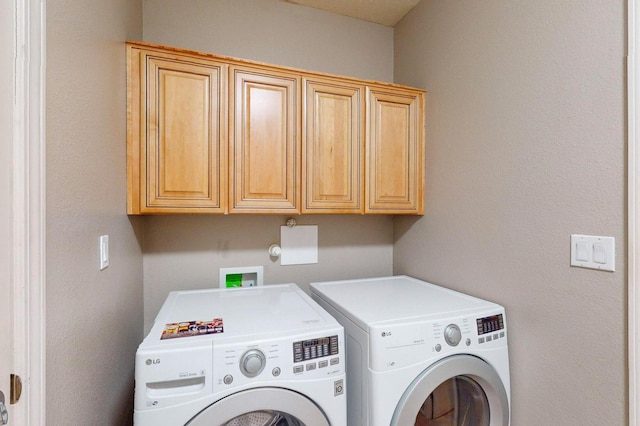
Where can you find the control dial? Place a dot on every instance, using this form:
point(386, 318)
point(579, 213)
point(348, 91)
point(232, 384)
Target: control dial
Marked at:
point(452, 335)
point(252, 362)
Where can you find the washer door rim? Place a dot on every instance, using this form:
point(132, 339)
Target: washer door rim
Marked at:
point(260, 399)
point(448, 368)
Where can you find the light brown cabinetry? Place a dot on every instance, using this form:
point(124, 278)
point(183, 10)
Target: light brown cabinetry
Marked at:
point(177, 134)
point(333, 147)
point(211, 134)
point(395, 157)
point(265, 141)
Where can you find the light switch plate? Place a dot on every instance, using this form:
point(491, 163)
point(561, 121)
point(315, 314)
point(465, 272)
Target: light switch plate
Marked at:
point(593, 252)
point(104, 252)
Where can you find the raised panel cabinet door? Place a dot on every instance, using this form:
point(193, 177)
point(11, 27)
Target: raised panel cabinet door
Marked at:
point(332, 147)
point(265, 141)
point(182, 134)
point(395, 151)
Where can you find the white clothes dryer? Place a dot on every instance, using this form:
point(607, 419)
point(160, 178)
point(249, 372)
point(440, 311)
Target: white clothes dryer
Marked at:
point(420, 354)
point(266, 355)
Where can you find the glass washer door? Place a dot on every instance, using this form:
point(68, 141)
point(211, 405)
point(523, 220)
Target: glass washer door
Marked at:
point(261, 407)
point(459, 390)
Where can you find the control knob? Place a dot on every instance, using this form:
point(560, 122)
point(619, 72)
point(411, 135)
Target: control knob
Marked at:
point(252, 362)
point(452, 335)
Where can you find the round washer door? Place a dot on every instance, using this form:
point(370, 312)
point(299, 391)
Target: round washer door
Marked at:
point(461, 390)
point(261, 406)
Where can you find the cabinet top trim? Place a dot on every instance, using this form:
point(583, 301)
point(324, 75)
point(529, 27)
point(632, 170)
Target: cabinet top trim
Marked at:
point(246, 62)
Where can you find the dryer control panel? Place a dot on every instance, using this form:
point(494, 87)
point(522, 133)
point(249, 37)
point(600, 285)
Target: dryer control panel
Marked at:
point(402, 344)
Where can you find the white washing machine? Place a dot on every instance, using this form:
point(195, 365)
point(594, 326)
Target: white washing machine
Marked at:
point(420, 354)
point(249, 356)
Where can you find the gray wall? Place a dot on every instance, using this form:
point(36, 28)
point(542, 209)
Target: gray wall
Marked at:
point(183, 252)
point(525, 146)
point(93, 318)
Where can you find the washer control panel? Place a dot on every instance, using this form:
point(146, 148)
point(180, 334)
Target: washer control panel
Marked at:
point(282, 359)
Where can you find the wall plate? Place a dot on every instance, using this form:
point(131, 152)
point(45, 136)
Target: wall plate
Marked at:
point(593, 252)
point(104, 252)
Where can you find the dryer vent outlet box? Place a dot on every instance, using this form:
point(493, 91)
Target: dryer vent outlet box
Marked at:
point(251, 276)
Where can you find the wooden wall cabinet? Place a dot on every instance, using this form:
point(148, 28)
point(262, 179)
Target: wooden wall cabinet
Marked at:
point(333, 146)
point(177, 134)
point(395, 151)
point(265, 141)
point(211, 134)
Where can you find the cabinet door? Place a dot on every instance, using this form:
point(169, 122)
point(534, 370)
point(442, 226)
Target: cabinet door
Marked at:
point(265, 141)
point(395, 151)
point(333, 147)
point(182, 140)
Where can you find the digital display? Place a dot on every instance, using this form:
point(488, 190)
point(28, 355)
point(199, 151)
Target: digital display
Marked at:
point(490, 324)
point(305, 350)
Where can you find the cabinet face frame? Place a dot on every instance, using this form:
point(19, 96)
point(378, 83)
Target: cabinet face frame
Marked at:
point(264, 147)
point(395, 151)
point(163, 177)
point(333, 137)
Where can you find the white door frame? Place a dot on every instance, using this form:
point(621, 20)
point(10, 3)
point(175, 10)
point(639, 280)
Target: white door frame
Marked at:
point(28, 212)
point(633, 247)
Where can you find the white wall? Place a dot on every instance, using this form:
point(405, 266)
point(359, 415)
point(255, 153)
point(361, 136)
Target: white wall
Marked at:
point(183, 252)
point(94, 318)
point(525, 146)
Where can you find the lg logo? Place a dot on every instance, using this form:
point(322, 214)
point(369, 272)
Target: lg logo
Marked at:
point(153, 361)
point(386, 333)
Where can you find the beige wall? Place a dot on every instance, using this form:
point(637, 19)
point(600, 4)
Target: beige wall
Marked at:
point(183, 252)
point(274, 31)
point(94, 318)
point(525, 146)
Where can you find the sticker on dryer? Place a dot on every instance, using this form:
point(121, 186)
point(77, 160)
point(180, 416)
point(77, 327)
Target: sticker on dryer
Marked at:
point(192, 328)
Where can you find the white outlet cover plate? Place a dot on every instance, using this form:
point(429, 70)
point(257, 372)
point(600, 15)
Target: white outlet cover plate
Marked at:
point(593, 252)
